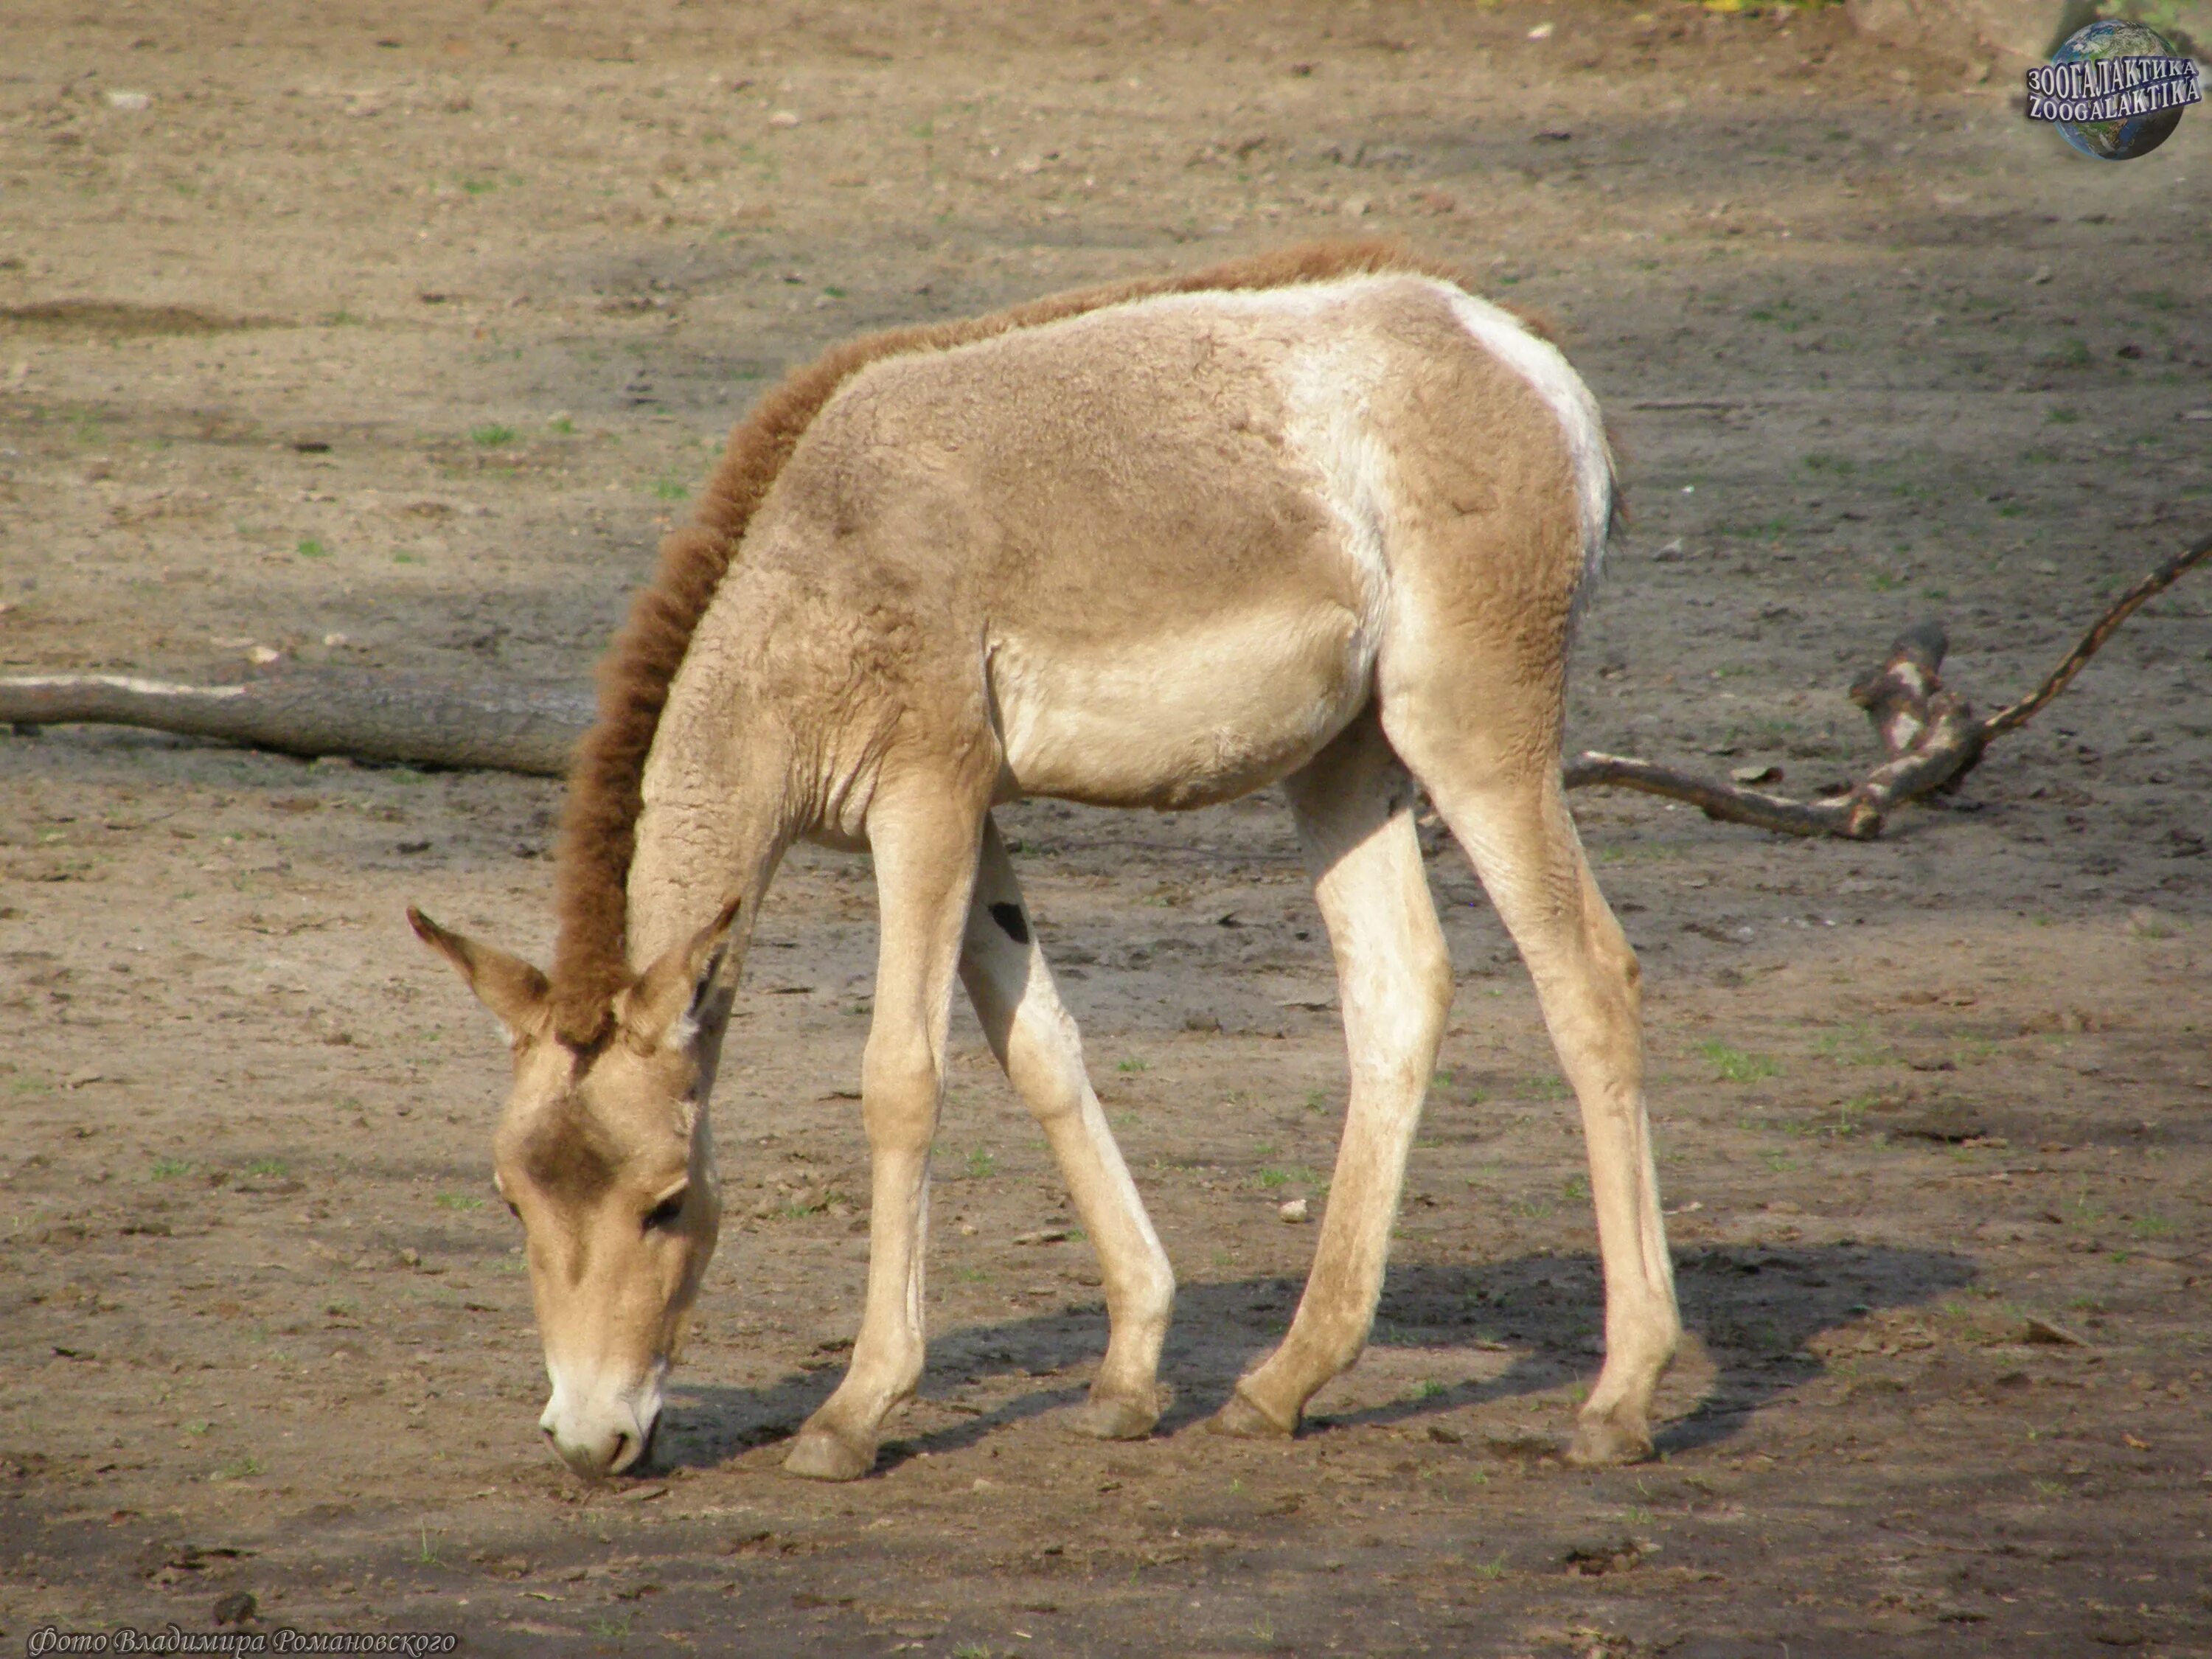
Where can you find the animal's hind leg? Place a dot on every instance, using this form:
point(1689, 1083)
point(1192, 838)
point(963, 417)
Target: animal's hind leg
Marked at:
point(1355, 813)
point(1498, 788)
point(1004, 969)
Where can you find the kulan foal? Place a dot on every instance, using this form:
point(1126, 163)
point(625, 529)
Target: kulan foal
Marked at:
point(1318, 518)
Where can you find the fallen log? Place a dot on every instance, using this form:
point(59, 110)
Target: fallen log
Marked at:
point(506, 726)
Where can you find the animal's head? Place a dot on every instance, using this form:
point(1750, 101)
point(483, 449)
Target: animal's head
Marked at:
point(603, 1154)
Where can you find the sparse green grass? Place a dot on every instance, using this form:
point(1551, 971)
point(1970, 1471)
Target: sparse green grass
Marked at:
point(981, 1163)
point(1273, 1178)
point(670, 488)
point(1430, 1388)
point(1852, 1045)
point(491, 436)
point(168, 1169)
point(1492, 1570)
point(269, 1167)
point(1131, 1065)
point(2082, 1210)
point(311, 548)
point(2151, 1225)
point(458, 1201)
point(1735, 1064)
point(243, 1468)
point(562, 427)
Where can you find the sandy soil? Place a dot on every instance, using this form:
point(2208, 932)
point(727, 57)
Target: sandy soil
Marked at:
point(392, 342)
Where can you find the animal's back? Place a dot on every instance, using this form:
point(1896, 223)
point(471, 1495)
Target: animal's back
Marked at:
point(1173, 530)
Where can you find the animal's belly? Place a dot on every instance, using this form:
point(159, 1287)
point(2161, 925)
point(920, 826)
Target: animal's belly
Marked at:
point(1171, 721)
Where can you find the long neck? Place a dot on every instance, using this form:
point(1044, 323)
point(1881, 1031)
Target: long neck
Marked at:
point(700, 844)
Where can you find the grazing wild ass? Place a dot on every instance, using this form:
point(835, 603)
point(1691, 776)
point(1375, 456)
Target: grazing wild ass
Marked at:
point(1320, 518)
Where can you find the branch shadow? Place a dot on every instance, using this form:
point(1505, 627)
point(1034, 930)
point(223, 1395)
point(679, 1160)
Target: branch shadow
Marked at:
point(1755, 1308)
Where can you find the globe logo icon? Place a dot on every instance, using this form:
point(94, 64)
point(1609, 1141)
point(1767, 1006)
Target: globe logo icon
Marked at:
point(2115, 90)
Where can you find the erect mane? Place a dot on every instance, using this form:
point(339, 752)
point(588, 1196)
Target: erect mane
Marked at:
point(599, 828)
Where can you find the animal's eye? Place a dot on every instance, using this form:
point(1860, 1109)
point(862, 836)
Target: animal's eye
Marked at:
point(668, 1211)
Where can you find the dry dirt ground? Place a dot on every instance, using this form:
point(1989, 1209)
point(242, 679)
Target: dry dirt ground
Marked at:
point(392, 342)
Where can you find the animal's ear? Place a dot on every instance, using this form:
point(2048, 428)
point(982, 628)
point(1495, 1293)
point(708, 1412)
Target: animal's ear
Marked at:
point(508, 986)
point(662, 1008)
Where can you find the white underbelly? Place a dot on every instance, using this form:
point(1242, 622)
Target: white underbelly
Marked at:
point(1205, 715)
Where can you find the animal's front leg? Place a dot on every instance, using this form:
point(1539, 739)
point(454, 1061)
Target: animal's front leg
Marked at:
point(925, 869)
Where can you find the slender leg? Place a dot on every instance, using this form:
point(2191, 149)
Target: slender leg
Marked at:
point(1513, 821)
point(924, 845)
point(1034, 1038)
point(1355, 813)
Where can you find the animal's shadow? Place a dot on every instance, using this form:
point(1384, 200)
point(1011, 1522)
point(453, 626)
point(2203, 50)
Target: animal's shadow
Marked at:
point(1754, 1307)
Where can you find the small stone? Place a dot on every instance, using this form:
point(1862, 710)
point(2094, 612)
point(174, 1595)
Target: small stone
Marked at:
point(132, 102)
point(1542, 32)
point(410, 1258)
point(264, 654)
point(2055, 1335)
point(334, 640)
point(784, 118)
point(1295, 1211)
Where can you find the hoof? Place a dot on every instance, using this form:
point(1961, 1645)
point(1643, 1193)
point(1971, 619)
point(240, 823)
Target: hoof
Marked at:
point(1602, 1441)
point(1117, 1417)
point(818, 1455)
point(1241, 1418)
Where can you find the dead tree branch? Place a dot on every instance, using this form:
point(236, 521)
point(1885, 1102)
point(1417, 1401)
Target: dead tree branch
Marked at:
point(1929, 732)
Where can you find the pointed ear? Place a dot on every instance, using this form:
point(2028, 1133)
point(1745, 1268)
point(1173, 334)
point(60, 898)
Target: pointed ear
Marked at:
point(662, 1008)
point(508, 986)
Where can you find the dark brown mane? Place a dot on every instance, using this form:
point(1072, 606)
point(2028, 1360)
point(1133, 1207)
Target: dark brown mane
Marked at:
point(599, 826)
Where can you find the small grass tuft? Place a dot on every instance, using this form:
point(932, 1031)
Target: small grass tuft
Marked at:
point(1735, 1066)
